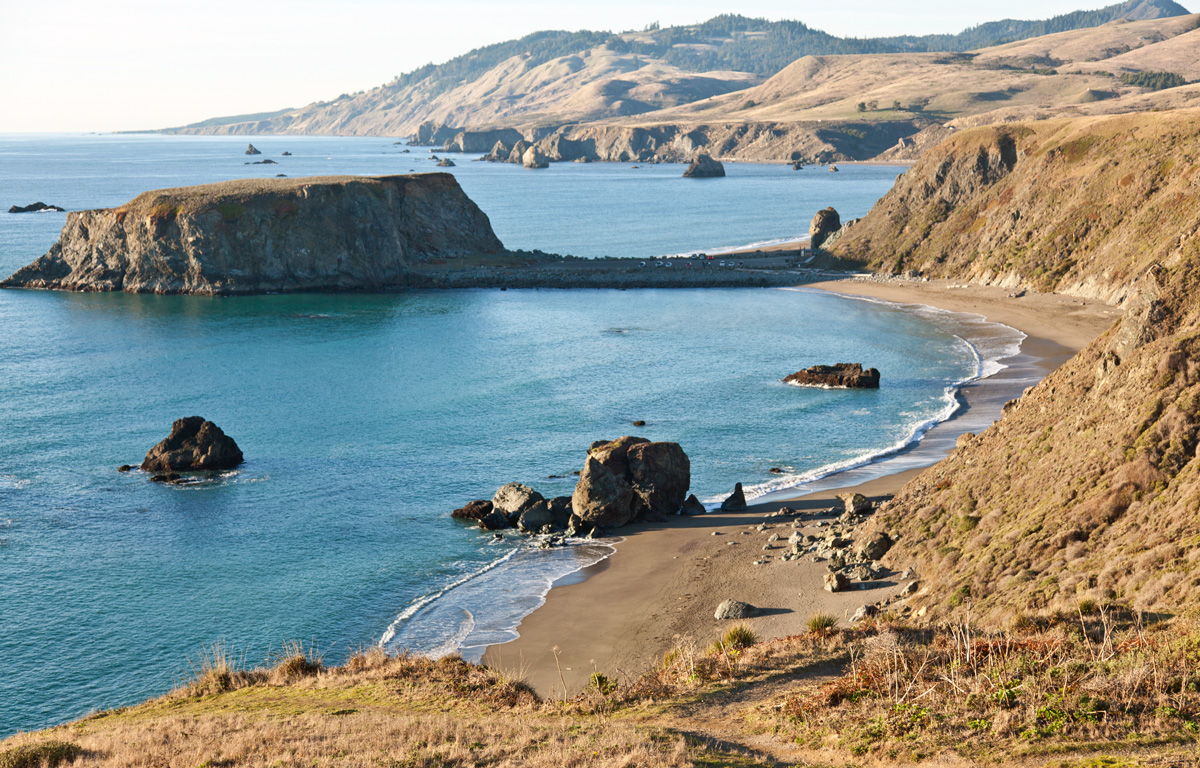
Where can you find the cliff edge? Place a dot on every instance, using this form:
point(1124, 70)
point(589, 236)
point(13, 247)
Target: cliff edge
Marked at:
point(327, 233)
point(1085, 491)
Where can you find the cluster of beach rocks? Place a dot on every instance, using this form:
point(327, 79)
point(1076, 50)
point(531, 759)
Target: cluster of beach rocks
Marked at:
point(622, 480)
point(829, 536)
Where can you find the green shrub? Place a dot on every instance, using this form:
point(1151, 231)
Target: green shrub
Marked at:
point(48, 753)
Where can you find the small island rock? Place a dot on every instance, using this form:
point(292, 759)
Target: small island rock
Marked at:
point(533, 158)
point(840, 376)
point(445, 163)
point(704, 167)
point(252, 150)
point(473, 510)
point(194, 444)
point(34, 208)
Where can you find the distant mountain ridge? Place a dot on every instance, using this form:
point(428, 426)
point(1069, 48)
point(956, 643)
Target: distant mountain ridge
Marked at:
point(715, 73)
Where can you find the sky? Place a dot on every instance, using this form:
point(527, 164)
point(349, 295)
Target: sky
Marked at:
point(105, 65)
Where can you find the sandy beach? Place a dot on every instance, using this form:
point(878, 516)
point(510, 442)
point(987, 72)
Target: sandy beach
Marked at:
point(665, 580)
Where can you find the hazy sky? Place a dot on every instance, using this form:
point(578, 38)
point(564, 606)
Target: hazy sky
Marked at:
point(98, 65)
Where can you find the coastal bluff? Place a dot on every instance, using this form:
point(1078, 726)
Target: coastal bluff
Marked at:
point(326, 233)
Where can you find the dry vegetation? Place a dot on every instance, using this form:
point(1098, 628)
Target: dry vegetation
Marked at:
point(1089, 487)
point(1101, 687)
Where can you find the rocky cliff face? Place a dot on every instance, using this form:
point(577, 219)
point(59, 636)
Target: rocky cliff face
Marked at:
point(1079, 206)
point(1087, 488)
point(266, 235)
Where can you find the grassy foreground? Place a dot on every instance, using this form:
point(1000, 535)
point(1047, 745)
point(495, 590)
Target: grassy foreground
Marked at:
point(1101, 688)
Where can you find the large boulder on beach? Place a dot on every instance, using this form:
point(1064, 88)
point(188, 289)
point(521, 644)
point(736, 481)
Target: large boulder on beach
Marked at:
point(704, 167)
point(875, 546)
point(657, 476)
point(693, 506)
point(560, 510)
point(839, 376)
point(735, 609)
point(824, 224)
point(602, 497)
point(193, 445)
point(514, 498)
point(660, 474)
point(855, 503)
point(736, 501)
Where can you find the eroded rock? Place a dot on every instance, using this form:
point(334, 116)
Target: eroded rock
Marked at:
point(193, 445)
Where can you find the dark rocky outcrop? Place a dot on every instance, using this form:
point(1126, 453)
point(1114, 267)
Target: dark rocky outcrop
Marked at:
point(432, 134)
point(252, 150)
point(445, 162)
point(268, 161)
point(692, 506)
point(473, 510)
point(630, 477)
point(536, 518)
point(193, 445)
point(34, 208)
point(704, 167)
point(736, 501)
point(481, 141)
point(324, 233)
point(823, 224)
point(840, 376)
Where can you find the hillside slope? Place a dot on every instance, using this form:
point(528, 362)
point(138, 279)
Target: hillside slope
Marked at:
point(553, 77)
point(1088, 488)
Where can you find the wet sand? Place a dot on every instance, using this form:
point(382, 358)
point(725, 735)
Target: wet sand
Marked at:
point(665, 580)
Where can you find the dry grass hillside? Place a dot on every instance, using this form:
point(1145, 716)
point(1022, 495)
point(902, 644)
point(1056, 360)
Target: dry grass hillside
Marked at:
point(1074, 692)
point(592, 85)
point(1088, 489)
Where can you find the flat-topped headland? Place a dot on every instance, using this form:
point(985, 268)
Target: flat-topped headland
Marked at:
point(266, 235)
point(337, 233)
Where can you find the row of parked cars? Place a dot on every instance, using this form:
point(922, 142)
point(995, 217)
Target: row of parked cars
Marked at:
point(702, 259)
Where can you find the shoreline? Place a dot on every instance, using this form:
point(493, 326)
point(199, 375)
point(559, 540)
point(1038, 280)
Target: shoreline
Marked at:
point(661, 585)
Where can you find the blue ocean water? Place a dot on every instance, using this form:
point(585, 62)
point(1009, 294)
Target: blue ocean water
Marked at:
point(366, 418)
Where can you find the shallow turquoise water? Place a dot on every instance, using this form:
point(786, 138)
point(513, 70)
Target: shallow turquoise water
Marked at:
point(366, 418)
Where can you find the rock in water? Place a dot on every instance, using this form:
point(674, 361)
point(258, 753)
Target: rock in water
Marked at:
point(535, 518)
point(514, 498)
point(252, 150)
point(34, 208)
point(445, 162)
point(840, 376)
point(533, 158)
point(266, 235)
point(194, 444)
point(704, 167)
point(824, 224)
point(473, 510)
point(736, 501)
point(734, 609)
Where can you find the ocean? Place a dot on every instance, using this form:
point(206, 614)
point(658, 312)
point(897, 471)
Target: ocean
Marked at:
point(366, 418)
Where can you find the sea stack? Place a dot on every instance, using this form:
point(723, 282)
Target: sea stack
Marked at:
point(840, 376)
point(325, 233)
point(704, 167)
point(193, 445)
point(824, 224)
point(252, 150)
